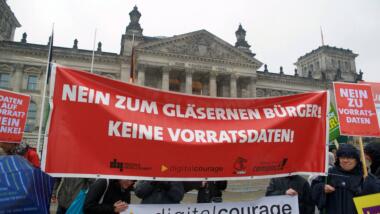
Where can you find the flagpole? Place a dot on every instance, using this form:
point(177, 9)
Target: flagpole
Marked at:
point(131, 75)
point(323, 42)
point(93, 53)
point(43, 97)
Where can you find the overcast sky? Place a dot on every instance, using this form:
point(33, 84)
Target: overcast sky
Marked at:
point(279, 31)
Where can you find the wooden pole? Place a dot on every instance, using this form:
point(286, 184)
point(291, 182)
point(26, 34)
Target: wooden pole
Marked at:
point(336, 144)
point(365, 172)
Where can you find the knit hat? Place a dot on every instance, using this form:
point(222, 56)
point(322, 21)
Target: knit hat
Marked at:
point(349, 151)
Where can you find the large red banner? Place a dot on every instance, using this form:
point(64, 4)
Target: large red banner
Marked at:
point(107, 128)
point(356, 109)
point(13, 114)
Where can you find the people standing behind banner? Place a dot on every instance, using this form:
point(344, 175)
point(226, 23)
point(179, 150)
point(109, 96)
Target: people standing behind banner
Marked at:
point(23, 150)
point(211, 191)
point(372, 153)
point(344, 182)
point(160, 192)
point(66, 189)
point(108, 196)
point(333, 149)
point(294, 185)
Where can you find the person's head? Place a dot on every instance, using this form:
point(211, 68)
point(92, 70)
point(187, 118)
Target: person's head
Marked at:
point(372, 154)
point(8, 147)
point(347, 157)
point(125, 184)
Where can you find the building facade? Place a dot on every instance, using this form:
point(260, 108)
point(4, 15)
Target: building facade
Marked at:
point(8, 22)
point(195, 63)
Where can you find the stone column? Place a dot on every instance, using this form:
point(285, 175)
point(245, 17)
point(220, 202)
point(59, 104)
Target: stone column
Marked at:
point(252, 86)
point(141, 75)
point(125, 74)
point(189, 81)
point(213, 84)
point(165, 78)
point(18, 78)
point(233, 88)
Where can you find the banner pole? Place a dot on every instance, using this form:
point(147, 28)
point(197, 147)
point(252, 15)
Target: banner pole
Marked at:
point(43, 97)
point(93, 53)
point(336, 143)
point(365, 172)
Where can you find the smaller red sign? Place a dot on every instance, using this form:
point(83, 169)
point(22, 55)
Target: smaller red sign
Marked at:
point(356, 110)
point(13, 112)
point(375, 91)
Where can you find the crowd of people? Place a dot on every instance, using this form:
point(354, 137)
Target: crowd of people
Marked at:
point(333, 193)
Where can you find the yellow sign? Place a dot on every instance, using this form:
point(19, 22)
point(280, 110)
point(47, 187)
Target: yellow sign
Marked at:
point(368, 204)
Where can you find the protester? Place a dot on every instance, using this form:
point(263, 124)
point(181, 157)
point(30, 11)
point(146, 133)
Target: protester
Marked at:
point(108, 196)
point(66, 189)
point(160, 192)
point(23, 150)
point(344, 182)
point(294, 185)
point(372, 152)
point(211, 191)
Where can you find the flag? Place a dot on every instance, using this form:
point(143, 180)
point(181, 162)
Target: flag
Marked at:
point(45, 105)
point(50, 58)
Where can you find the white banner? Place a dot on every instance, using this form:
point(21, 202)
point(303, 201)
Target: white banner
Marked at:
point(274, 204)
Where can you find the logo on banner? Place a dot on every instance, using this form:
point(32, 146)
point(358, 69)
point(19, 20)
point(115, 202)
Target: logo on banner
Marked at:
point(114, 164)
point(274, 166)
point(182, 169)
point(164, 168)
point(240, 166)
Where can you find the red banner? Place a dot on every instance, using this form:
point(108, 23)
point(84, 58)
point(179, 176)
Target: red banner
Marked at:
point(13, 111)
point(376, 97)
point(356, 110)
point(114, 129)
point(375, 91)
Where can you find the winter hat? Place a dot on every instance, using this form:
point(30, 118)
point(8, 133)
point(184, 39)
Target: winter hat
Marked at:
point(348, 150)
point(373, 151)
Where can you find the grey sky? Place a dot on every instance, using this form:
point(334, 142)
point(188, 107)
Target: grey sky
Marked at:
point(279, 31)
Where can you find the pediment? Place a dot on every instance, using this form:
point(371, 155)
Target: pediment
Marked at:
point(200, 44)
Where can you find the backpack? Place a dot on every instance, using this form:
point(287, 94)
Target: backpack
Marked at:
point(76, 206)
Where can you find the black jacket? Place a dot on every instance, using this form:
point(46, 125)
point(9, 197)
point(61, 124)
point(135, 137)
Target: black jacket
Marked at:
point(347, 186)
point(212, 192)
point(159, 192)
point(279, 186)
point(114, 193)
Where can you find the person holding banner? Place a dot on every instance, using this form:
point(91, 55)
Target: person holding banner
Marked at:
point(372, 153)
point(344, 182)
point(211, 191)
point(66, 190)
point(108, 196)
point(160, 192)
point(294, 185)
